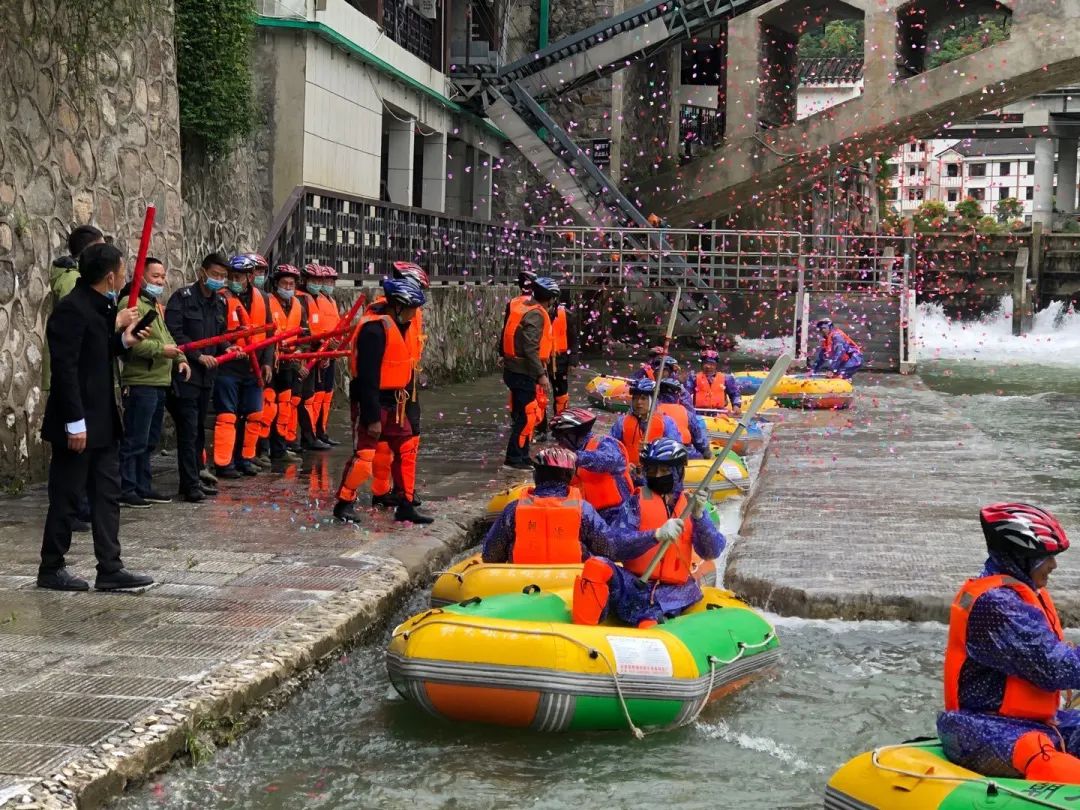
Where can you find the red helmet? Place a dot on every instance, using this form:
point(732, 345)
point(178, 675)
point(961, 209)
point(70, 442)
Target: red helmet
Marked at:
point(312, 270)
point(556, 458)
point(286, 270)
point(260, 261)
point(413, 271)
point(328, 271)
point(573, 418)
point(1022, 529)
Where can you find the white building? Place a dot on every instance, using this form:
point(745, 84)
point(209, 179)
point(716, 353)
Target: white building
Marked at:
point(824, 83)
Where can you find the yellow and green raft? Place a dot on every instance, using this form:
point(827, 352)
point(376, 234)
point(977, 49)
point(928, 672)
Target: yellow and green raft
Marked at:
point(517, 660)
point(917, 776)
point(801, 390)
point(613, 394)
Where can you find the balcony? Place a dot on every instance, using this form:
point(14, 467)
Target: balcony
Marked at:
point(699, 128)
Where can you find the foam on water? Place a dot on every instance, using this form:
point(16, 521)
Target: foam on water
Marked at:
point(720, 730)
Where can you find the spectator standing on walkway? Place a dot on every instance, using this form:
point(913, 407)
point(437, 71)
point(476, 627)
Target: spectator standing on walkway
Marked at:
point(83, 424)
point(144, 382)
point(195, 312)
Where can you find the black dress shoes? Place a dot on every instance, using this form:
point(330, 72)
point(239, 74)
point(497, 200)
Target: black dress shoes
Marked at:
point(61, 580)
point(121, 580)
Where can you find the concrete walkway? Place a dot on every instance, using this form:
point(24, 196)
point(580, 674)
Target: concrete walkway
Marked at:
point(253, 586)
point(872, 513)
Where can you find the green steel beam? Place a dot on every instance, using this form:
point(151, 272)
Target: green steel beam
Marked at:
point(545, 24)
point(367, 57)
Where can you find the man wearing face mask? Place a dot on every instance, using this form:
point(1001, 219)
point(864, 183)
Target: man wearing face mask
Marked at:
point(195, 312)
point(288, 313)
point(85, 335)
point(238, 392)
point(307, 412)
point(144, 383)
point(269, 414)
point(382, 368)
point(652, 517)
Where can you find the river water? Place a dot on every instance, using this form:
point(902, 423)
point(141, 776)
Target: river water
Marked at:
point(843, 687)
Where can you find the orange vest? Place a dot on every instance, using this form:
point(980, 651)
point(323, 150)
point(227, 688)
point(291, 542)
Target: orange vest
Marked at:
point(709, 394)
point(547, 531)
point(632, 438)
point(397, 366)
point(519, 307)
point(679, 416)
point(306, 300)
point(238, 317)
point(1023, 699)
point(414, 337)
point(600, 489)
point(559, 338)
point(674, 567)
point(828, 344)
point(282, 321)
point(649, 373)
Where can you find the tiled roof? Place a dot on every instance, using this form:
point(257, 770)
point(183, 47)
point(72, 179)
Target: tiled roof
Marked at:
point(830, 70)
point(995, 147)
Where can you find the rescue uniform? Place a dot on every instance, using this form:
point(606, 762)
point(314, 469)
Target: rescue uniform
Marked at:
point(716, 391)
point(526, 350)
point(287, 315)
point(303, 412)
point(627, 428)
point(329, 320)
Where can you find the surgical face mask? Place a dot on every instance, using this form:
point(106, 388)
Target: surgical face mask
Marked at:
point(236, 287)
point(286, 294)
point(314, 289)
point(214, 284)
point(112, 295)
point(662, 484)
point(154, 289)
point(259, 281)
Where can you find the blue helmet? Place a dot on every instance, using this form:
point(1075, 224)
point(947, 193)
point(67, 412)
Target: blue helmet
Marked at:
point(669, 385)
point(820, 322)
point(545, 287)
point(404, 291)
point(664, 451)
point(642, 386)
point(244, 263)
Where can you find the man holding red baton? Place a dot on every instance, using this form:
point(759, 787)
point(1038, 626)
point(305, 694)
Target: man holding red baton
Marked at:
point(327, 372)
point(288, 314)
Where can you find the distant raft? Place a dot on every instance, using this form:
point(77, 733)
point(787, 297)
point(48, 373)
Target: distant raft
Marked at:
point(802, 391)
point(720, 429)
point(612, 393)
point(917, 776)
point(732, 479)
point(517, 660)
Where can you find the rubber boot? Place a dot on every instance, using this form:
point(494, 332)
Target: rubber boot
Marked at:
point(406, 513)
point(345, 511)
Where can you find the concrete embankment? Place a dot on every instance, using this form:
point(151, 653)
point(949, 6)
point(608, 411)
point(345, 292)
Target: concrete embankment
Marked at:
point(872, 513)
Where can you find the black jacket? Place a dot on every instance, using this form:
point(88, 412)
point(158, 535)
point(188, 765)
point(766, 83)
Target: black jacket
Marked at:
point(189, 316)
point(83, 344)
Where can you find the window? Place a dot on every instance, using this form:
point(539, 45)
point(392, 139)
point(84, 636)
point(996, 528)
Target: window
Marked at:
point(952, 170)
point(911, 171)
point(1006, 169)
point(1031, 167)
point(1029, 193)
point(914, 147)
point(894, 170)
point(915, 194)
point(892, 193)
point(977, 170)
point(953, 195)
point(977, 193)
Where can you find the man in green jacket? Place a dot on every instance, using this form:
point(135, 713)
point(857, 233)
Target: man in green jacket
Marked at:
point(144, 381)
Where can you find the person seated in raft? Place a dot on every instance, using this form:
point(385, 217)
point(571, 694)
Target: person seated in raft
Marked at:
point(603, 465)
point(651, 517)
point(838, 354)
point(671, 371)
point(1006, 662)
point(550, 524)
point(691, 427)
point(713, 389)
point(629, 428)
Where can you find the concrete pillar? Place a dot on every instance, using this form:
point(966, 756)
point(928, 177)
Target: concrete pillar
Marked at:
point(744, 42)
point(1066, 179)
point(400, 152)
point(1043, 205)
point(458, 180)
point(481, 186)
point(433, 190)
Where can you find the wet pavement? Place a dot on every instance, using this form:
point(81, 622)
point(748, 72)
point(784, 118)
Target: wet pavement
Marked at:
point(872, 513)
point(251, 586)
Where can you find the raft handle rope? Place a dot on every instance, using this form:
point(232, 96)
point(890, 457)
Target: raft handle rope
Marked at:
point(592, 652)
point(991, 785)
point(531, 589)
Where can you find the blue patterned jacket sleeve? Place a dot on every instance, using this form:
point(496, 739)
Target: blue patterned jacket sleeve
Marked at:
point(606, 458)
point(732, 389)
point(699, 437)
point(596, 536)
point(499, 540)
point(631, 541)
point(708, 541)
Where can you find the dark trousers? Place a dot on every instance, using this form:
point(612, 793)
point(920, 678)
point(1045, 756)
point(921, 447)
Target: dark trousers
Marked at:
point(188, 408)
point(144, 411)
point(522, 393)
point(97, 473)
point(241, 395)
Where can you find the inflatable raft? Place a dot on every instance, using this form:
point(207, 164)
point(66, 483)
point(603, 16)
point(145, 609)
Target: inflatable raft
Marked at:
point(917, 776)
point(732, 479)
point(802, 390)
point(613, 394)
point(473, 577)
point(517, 660)
point(720, 429)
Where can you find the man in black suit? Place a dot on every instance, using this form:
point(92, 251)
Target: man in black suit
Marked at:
point(83, 423)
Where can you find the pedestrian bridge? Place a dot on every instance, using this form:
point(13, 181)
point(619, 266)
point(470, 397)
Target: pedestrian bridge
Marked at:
point(764, 150)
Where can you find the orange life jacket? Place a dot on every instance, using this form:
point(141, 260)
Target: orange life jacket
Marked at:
point(327, 311)
point(311, 309)
point(238, 317)
point(414, 337)
point(632, 438)
point(674, 567)
point(709, 394)
point(1023, 699)
point(649, 373)
point(284, 321)
point(559, 336)
point(601, 489)
point(397, 365)
point(547, 531)
point(519, 307)
point(828, 344)
point(679, 416)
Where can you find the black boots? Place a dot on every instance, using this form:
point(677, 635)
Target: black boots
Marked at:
point(406, 513)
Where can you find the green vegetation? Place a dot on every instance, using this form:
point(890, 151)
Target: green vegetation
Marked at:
point(213, 62)
point(834, 38)
point(931, 217)
point(1008, 209)
point(969, 210)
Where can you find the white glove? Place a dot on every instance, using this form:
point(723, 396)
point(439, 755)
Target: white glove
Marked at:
point(670, 531)
point(698, 504)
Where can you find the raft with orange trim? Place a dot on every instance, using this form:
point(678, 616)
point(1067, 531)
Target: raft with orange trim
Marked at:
point(809, 391)
point(517, 660)
point(612, 393)
point(917, 776)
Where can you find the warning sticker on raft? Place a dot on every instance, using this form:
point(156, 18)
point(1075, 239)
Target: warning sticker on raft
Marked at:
point(641, 656)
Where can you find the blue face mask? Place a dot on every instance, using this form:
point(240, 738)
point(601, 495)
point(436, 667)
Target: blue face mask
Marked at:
point(154, 289)
point(315, 289)
point(286, 294)
point(215, 284)
point(112, 295)
point(259, 281)
point(236, 287)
